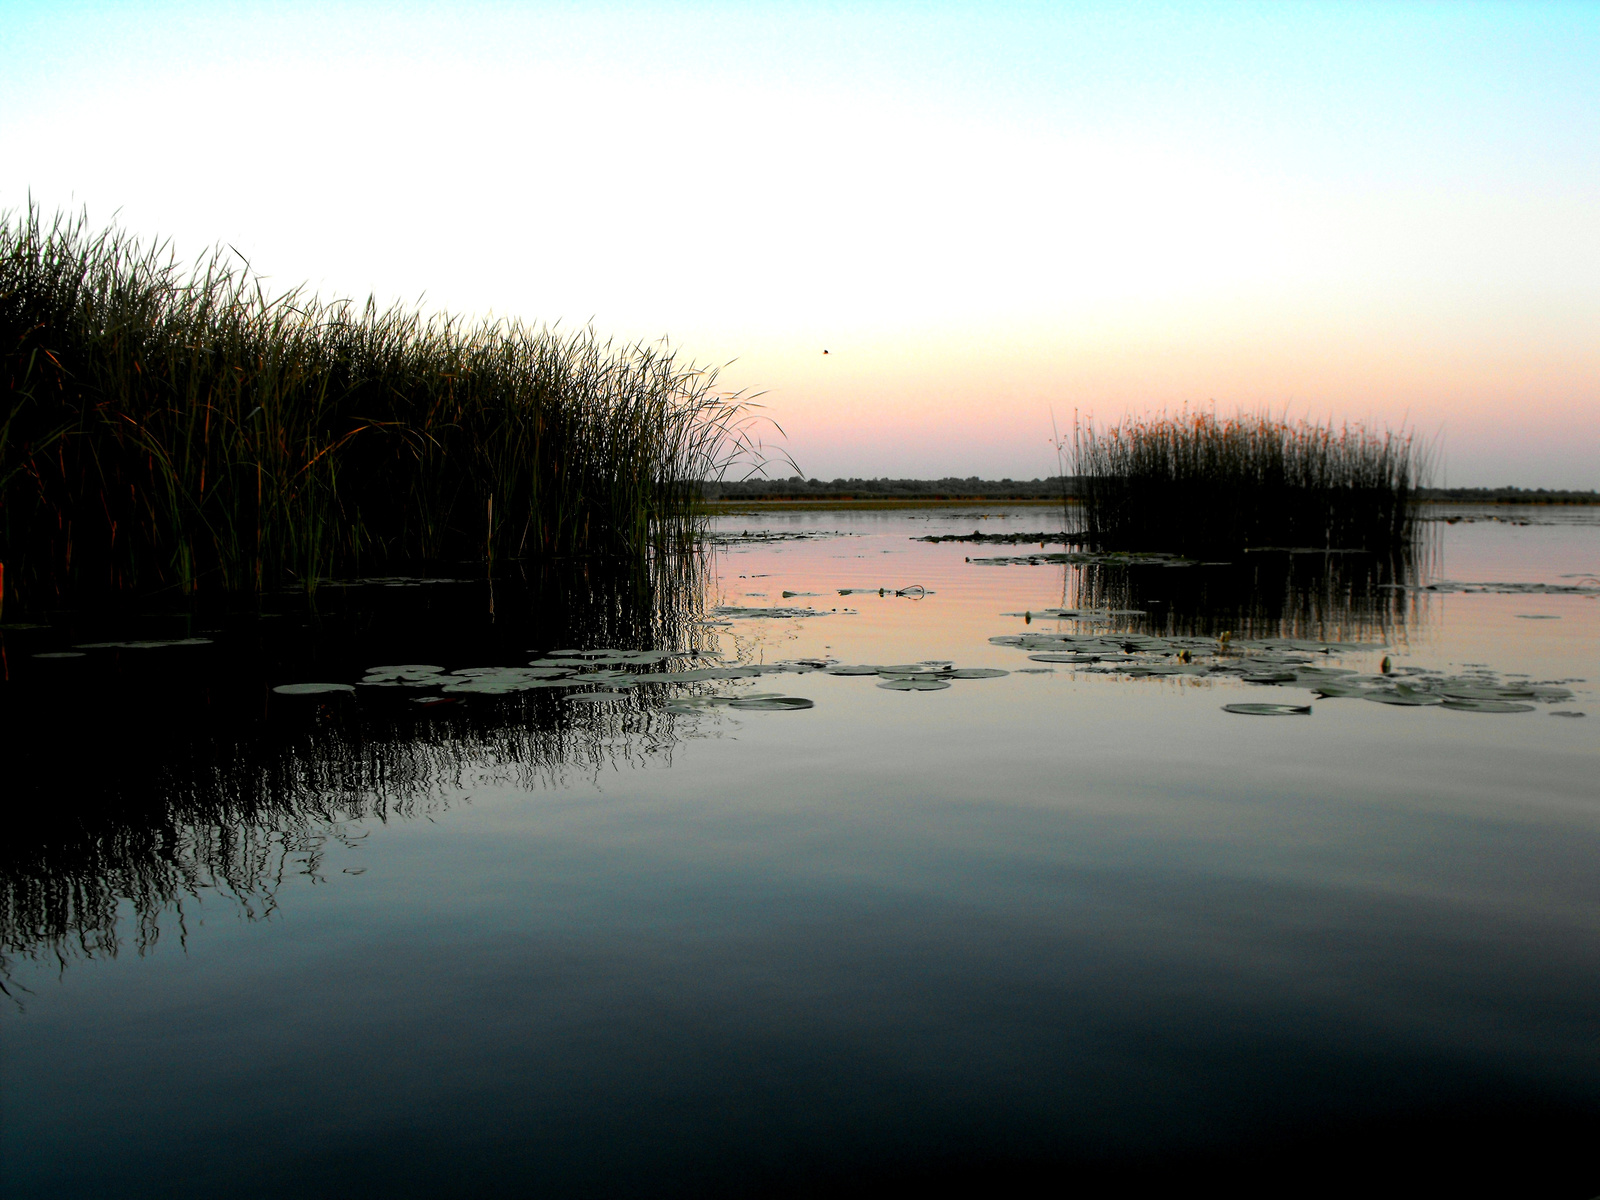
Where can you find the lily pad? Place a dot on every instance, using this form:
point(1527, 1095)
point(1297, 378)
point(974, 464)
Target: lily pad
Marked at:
point(914, 685)
point(1564, 712)
point(61, 654)
point(1269, 710)
point(311, 689)
point(1403, 699)
point(977, 673)
point(1486, 706)
point(598, 697)
point(772, 704)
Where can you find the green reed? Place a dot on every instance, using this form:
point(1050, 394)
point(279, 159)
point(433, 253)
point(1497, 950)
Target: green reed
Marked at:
point(1195, 484)
point(172, 428)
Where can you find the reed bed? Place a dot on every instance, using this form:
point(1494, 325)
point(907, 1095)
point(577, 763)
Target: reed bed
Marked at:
point(1195, 484)
point(183, 429)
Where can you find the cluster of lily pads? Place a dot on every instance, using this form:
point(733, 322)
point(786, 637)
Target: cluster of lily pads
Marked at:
point(1287, 662)
point(1057, 538)
point(611, 673)
point(1115, 558)
point(931, 675)
point(78, 651)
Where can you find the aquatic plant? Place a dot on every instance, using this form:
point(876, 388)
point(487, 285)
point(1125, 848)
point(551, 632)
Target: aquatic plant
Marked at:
point(171, 428)
point(1197, 484)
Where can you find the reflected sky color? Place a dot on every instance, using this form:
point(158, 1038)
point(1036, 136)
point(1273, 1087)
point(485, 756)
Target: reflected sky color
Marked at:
point(1057, 918)
point(989, 218)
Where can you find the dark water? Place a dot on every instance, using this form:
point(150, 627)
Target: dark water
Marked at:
point(1064, 931)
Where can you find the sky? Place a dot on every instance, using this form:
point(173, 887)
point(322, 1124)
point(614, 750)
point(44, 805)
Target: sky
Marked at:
point(995, 219)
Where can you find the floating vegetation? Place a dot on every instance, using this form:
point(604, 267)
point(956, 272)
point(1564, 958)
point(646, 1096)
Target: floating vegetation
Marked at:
point(729, 610)
point(311, 689)
point(1057, 538)
point(907, 683)
point(771, 703)
point(1487, 706)
point(1204, 485)
point(503, 682)
point(146, 645)
point(1080, 558)
point(761, 537)
point(61, 654)
point(402, 676)
point(1500, 589)
point(1102, 645)
point(915, 592)
point(1284, 662)
point(1269, 710)
point(1075, 614)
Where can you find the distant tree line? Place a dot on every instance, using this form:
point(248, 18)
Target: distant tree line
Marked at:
point(1507, 495)
point(1052, 488)
point(952, 488)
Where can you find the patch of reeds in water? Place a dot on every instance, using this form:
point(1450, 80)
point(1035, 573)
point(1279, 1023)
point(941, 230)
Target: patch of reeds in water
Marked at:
point(1196, 484)
point(163, 428)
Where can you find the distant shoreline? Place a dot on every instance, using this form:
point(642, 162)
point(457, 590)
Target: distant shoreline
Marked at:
point(802, 494)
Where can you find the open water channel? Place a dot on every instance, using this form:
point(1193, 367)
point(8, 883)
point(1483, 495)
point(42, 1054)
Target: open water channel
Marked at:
point(527, 907)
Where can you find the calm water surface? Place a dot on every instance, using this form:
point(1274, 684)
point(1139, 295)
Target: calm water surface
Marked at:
point(1062, 927)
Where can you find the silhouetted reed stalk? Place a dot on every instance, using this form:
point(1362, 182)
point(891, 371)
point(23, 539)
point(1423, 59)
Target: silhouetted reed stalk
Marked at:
point(1197, 484)
point(163, 428)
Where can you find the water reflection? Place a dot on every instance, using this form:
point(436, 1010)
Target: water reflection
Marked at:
point(142, 780)
point(1265, 594)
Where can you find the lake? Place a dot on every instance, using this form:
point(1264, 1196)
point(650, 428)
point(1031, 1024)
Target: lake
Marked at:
point(1074, 925)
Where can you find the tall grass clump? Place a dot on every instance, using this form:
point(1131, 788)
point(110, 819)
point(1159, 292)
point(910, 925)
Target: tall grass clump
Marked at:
point(1195, 484)
point(164, 428)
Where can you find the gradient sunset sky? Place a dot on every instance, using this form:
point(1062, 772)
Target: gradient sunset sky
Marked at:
point(988, 215)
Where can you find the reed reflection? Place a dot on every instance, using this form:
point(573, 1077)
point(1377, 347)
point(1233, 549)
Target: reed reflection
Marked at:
point(139, 784)
point(1263, 594)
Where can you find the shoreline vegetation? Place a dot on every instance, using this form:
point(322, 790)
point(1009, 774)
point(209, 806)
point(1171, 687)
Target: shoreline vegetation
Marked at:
point(179, 430)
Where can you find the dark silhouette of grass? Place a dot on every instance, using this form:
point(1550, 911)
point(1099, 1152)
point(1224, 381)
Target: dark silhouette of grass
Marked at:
point(1197, 484)
point(163, 428)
